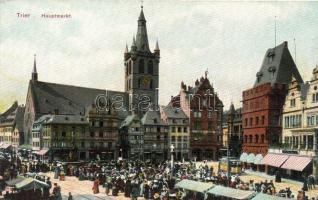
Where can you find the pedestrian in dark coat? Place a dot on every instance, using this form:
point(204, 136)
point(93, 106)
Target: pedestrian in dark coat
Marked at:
point(127, 188)
point(134, 191)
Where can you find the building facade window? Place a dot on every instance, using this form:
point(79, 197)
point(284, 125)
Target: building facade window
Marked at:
point(315, 97)
point(292, 102)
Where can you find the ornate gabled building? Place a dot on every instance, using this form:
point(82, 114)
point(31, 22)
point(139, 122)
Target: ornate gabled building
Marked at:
point(204, 109)
point(178, 132)
point(155, 136)
point(299, 145)
point(132, 138)
point(232, 130)
point(11, 127)
point(263, 104)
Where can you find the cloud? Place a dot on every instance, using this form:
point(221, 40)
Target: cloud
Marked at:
point(228, 38)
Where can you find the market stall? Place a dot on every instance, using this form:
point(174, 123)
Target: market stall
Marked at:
point(226, 193)
point(194, 189)
point(262, 196)
point(30, 183)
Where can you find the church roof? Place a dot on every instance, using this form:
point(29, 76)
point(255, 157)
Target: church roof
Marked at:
point(278, 67)
point(67, 99)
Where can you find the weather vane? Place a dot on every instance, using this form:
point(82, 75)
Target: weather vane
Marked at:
point(141, 2)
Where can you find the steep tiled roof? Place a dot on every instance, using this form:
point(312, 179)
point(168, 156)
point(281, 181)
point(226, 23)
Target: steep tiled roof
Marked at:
point(173, 112)
point(304, 90)
point(67, 99)
point(278, 67)
point(129, 119)
point(62, 119)
point(152, 118)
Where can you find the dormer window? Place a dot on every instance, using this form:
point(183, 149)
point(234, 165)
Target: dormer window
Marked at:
point(259, 76)
point(270, 56)
point(272, 71)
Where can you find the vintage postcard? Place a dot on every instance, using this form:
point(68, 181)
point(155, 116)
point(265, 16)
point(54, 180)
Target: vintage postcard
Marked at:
point(158, 100)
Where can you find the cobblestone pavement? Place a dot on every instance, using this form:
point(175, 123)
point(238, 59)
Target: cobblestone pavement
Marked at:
point(82, 190)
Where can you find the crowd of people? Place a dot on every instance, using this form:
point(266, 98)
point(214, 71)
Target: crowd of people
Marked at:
point(134, 179)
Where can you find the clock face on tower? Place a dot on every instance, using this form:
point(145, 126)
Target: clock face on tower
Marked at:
point(145, 81)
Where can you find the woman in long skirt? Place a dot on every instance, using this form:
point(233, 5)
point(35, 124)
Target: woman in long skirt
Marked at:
point(96, 186)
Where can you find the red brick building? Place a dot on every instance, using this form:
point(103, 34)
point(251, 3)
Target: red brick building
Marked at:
point(204, 109)
point(263, 104)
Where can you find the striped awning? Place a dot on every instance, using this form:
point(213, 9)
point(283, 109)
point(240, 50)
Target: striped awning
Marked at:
point(250, 158)
point(5, 146)
point(297, 163)
point(42, 152)
point(243, 157)
point(258, 159)
point(275, 160)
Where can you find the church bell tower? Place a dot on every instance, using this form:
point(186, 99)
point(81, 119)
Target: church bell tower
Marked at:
point(142, 71)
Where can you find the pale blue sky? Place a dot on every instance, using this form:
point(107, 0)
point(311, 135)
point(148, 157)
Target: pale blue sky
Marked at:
point(229, 39)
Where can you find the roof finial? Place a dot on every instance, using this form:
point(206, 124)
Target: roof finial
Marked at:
point(126, 48)
point(206, 72)
point(157, 45)
point(34, 64)
point(141, 3)
point(275, 30)
point(34, 72)
point(295, 51)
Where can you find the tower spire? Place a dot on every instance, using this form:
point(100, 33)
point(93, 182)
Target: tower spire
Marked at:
point(157, 50)
point(126, 48)
point(34, 72)
point(142, 37)
point(133, 45)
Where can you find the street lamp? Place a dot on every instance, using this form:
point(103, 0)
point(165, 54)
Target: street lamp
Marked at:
point(154, 151)
point(171, 151)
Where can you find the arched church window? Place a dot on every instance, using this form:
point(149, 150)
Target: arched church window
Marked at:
point(151, 84)
point(150, 67)
point(141, 66)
